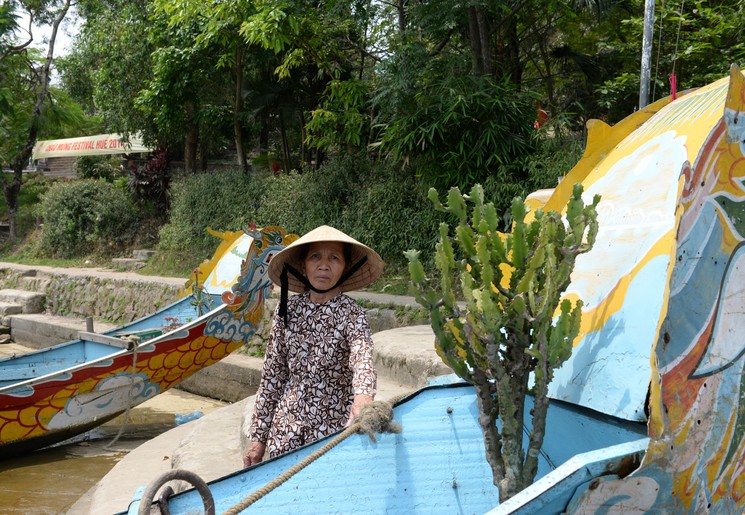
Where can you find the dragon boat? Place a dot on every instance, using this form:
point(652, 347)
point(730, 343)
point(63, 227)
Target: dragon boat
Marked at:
point(646, 416)
point(50, 395)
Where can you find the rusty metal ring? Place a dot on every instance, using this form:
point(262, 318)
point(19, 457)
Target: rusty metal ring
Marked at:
point(184, 475)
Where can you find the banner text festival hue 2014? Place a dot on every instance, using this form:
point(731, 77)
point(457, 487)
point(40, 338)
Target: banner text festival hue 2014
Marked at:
point(89, 145)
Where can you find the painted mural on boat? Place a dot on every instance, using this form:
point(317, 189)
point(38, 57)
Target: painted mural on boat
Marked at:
point(695, 461)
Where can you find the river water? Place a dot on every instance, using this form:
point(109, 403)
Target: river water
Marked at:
point(51, 480)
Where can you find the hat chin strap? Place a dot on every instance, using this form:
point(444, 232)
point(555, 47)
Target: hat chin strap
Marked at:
point(284, 283)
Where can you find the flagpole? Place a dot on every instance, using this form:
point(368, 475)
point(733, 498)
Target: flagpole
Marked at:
point(646, 53)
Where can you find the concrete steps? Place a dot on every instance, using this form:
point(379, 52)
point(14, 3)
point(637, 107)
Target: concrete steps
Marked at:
point(15, 303)
point(22, 316)
point(22, 301)
point(138, 260)
point(37, 330)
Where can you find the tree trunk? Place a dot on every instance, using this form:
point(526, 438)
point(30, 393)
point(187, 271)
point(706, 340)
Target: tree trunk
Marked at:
point(511, 410)
point(548, 78)
point(12, 188)
point(540, 408)
point(305, 152)
point(238, 110)
point(508, 51)
point(203, 151)
point(477, 63)
point(191, 140)
point(484, 32)
point(264, 133)
point(401, 9)
point(286, 166)
point(488, 410)
point(11, 191)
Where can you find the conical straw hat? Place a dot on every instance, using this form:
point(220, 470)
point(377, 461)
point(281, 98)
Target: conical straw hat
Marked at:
point(294, 254)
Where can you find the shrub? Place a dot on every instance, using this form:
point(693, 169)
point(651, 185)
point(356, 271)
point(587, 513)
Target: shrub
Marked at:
point(149, 184)
point(86, 217)
point(458, 129)
point(302, 202)
point(225, 200)
point(552, 159)
point(391, 213)
point(107, 168)
point(373, 201)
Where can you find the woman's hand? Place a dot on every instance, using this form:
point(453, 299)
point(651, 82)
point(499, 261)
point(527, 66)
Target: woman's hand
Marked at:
point(359, 401)
point(254, 454)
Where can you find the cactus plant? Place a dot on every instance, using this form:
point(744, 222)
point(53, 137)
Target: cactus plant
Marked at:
point(513, 320)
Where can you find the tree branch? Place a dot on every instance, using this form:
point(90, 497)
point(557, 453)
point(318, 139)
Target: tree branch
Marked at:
point(441, 44)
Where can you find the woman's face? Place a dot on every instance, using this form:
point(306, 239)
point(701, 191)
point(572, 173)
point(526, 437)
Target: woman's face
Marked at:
point(324, 264)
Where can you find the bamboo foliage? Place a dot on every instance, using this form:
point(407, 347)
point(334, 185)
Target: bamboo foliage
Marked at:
point(513, 321)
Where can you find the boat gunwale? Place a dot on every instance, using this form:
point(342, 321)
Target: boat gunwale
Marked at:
point(4, 390)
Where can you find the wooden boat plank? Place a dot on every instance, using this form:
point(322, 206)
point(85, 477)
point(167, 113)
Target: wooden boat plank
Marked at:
point(105, 339)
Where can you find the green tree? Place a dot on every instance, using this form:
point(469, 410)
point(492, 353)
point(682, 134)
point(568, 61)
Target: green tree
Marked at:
point(111, 63)
point(215, 35)
point(323, 51)
point(698, 43)
point(26, 95)
point(513, 322)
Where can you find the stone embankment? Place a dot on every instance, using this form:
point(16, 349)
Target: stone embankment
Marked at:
point(113, 297)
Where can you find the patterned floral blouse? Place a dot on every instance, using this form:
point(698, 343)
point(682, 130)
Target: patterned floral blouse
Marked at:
point(313, 369)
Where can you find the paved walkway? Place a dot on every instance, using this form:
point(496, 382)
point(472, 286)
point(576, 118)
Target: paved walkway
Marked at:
point(96, 272)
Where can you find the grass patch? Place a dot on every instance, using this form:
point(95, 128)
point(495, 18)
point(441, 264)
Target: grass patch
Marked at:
point(394, 280)
point(167, 264)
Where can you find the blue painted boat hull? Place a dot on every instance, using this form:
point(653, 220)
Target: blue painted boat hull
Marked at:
point(435, 465)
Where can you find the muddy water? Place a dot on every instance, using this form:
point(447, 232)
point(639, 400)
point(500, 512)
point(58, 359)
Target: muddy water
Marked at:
point(51, 480)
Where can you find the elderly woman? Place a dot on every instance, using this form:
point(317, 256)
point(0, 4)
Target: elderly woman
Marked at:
point(318, 371)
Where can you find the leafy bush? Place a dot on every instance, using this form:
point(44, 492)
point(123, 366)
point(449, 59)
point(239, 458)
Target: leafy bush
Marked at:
point(85, 217)
point(373, 201)
point(552, 160)
point(107, 168)
point(391, 213)
point(459, 129)
point(224, 200)
point(369, 200)
point(302, 202)
point(543, 169)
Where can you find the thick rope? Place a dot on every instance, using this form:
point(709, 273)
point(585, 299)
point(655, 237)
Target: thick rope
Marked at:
point(375, 417)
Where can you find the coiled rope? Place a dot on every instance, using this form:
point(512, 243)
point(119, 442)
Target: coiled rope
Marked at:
point(149, 494)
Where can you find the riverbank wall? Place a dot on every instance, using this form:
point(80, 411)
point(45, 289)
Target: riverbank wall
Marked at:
point(107, 296)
